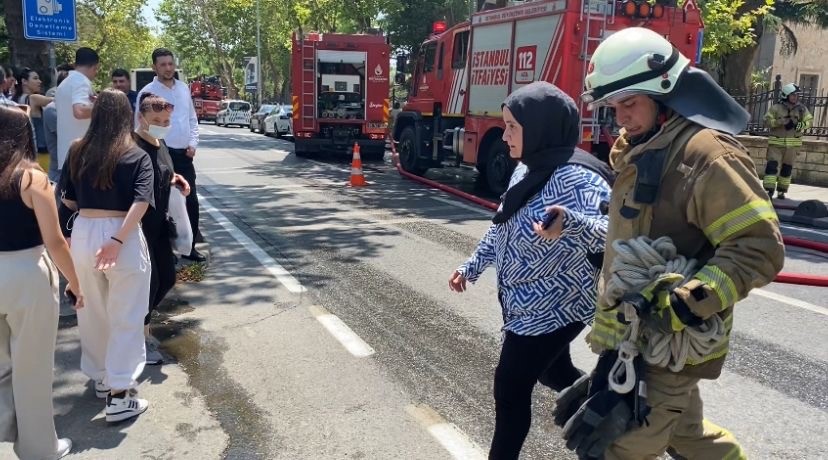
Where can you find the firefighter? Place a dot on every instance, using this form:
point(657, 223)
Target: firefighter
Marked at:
point(681, 174)
point(787, 119)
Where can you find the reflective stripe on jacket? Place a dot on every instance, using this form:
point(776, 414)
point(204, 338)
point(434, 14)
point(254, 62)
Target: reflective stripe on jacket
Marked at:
point(779, 115)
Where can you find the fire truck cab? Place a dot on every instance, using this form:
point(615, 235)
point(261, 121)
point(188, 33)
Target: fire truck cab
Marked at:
point(462, 74)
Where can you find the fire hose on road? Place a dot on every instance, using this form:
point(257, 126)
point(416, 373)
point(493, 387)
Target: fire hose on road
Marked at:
point(787, 278)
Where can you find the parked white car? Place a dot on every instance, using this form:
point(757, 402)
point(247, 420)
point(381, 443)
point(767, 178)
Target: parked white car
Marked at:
point(233, 113)
point(279, 122)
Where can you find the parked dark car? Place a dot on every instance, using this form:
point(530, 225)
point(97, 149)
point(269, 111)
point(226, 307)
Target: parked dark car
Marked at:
point(257, 119)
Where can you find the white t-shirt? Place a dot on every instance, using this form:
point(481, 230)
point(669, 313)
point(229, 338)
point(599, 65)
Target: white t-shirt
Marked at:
point(75, 89)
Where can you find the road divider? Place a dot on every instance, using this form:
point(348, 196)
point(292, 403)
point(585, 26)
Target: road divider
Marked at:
point(458, 445)
point(341, 332)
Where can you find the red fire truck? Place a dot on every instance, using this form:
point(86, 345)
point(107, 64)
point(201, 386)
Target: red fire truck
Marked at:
point(340, 93)
point(462, 75)
point(207, 94)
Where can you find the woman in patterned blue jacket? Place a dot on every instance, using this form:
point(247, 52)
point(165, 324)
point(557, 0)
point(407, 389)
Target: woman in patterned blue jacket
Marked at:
point(546, 282)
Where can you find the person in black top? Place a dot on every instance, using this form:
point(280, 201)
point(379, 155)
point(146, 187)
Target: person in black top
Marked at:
point(109, 180)
point(29, 283)
point(153, 124)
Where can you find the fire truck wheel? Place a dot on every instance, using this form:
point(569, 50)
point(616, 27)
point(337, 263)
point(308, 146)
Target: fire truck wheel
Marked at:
point(409, 152)
point(499, 167)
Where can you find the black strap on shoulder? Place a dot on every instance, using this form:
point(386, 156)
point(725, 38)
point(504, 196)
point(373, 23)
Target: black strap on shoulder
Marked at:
point(650, 165)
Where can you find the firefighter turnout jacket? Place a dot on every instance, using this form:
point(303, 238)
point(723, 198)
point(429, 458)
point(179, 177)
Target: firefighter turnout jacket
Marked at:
point(699, 187)
point(795, 116)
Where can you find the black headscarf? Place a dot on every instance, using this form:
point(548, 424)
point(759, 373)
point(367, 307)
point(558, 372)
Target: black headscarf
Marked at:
point(550, 122)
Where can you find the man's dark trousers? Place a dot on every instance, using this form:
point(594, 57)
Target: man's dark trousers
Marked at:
point(184, 165)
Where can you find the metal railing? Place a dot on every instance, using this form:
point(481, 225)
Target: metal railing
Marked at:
point(758, 104)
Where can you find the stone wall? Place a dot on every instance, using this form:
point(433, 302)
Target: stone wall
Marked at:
point(811, 167)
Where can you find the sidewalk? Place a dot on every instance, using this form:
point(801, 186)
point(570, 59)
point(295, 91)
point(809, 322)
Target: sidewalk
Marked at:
point(799, 193)
point(176, 425)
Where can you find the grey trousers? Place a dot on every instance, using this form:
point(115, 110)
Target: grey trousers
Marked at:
point(28, 330)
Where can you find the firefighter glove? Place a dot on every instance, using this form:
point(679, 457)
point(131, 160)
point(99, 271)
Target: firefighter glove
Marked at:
point(602, 419)
point(800, 126)
point(654, 305)
point(790, 125)
point(570, 400)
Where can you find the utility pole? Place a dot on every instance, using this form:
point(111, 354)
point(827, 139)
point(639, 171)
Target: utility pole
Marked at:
point(258, 54)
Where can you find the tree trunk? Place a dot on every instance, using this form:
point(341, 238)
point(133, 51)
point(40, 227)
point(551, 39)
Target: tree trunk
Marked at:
point(33, 54)
point(735, 69)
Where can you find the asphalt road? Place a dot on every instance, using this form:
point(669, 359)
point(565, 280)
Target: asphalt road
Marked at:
point(325, 329)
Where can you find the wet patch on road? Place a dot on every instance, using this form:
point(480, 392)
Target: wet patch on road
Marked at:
point(201, 356)
point(441, 235)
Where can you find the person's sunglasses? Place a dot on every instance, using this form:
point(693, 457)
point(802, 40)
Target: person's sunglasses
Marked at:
point(158, 106)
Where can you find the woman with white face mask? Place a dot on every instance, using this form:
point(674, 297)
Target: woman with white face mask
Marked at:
point(154, 114)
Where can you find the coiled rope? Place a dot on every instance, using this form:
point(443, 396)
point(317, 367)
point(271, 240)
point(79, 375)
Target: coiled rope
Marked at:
point(638, 262)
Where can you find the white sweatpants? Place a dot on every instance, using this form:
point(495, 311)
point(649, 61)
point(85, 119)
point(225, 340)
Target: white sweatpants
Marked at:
point(28, 328)
point(111, 323)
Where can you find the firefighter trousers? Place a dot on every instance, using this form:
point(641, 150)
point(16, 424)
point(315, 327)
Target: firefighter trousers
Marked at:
point(676, 421)
point(779, 168)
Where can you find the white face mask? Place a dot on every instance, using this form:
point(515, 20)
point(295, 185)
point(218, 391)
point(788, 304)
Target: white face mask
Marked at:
point(158, 132)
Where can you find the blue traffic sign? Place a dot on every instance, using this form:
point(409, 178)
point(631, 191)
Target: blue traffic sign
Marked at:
point(52, 20)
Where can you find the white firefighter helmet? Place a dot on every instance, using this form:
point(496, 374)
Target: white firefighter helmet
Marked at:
point(639, 61)
point(631, 61)
point(789, 89)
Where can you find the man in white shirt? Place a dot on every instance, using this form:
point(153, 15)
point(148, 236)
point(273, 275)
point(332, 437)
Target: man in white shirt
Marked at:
point(73, 99)
point(182, 138)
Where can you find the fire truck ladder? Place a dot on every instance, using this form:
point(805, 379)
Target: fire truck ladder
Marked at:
point(595, 15)
point(308, 104)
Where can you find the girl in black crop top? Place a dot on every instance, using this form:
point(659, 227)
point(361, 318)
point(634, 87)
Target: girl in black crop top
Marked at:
point(29, 283)
point(109, 180)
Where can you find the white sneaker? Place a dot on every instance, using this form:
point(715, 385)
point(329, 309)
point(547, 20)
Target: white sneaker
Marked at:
point(64, 446)
point(120, 409)
point(101, 390)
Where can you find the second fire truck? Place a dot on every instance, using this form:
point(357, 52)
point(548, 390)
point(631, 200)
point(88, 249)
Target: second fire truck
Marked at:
point(340, 93)
point(462, 75)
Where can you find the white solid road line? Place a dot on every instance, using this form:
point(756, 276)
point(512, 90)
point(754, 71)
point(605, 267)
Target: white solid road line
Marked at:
point(459, 446)
point(790, 301)
point(341, 332)
point(284, 277)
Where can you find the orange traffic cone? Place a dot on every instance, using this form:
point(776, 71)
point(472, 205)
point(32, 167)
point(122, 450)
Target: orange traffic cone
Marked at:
point(357, 177)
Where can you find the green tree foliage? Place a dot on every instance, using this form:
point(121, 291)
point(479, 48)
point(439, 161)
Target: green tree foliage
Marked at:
point(214, 36)
point(409, 22)
point(734, 28)
point(210, 36)
point(116, 30)
point(729, 25)
point(4, 35)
